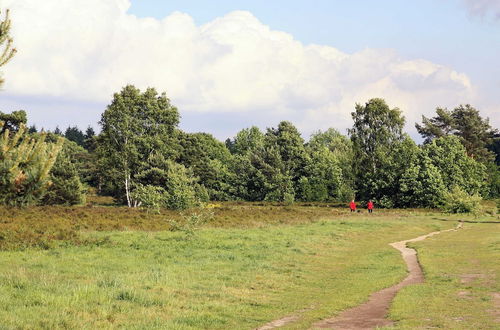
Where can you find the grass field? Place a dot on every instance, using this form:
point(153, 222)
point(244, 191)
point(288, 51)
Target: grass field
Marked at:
point(462, 290)
point(110, 267)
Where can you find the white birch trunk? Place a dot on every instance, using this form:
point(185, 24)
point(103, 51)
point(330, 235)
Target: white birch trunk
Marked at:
point(127, 189)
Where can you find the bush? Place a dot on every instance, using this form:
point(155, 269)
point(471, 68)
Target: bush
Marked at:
point(201, 193)
point(190, 223)
point(65, 186)
point(459, 201)
point(150, 197)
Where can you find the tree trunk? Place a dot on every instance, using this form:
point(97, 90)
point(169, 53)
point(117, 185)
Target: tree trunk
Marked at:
point(127, 189)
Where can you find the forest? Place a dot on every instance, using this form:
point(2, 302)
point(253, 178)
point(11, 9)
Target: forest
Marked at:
point(142, 159)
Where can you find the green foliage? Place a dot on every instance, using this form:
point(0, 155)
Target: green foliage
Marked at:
point(134, 126)
point(6, 42)
point(323, 177)
point(176, 183)
point(74, 134)
point(434, 170)
point(247, 140)
point(493, 181)
point(376, 132)
point(329, 171)
point(494, 147)
point(457, 200)
point(89, 139)
point(13, 121)
point(150, 197)
point(208, 160)
point(65, 185)
point(475, 133)
point(421, 184)
point(179, 187)
point(340, 145)
point(267, 167)
point(25, 164)
point(190, 223)
point(201, 193)
point(287, 141)
point(456, 168)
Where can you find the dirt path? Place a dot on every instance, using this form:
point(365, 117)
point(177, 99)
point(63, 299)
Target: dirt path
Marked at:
point(373, 313)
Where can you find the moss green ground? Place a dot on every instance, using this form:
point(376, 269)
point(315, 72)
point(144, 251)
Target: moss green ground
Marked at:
point(233, 274)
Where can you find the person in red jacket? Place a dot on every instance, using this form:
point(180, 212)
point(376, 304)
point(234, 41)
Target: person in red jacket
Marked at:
point(352, 206)
point(370, 206)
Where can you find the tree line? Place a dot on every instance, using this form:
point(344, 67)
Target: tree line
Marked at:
point(142, 159)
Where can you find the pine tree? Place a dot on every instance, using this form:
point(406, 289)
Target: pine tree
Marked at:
point(25, 164)
point(65, 185)
point(6, 42)
point(73, 133)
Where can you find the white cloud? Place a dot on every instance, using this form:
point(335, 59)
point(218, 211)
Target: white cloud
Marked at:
point(483, 7)
point(88, 49)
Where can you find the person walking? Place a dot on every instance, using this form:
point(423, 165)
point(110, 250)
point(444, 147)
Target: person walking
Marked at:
point(352, 206)
point(370, 206)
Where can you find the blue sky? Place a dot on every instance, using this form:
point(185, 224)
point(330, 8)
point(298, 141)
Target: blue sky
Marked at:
point(304, 61)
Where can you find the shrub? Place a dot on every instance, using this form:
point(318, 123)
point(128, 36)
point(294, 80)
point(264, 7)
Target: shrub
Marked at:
point(65, 186)
point(150, 197)
point(459, 201)
point(190, 223)
point(201, 193)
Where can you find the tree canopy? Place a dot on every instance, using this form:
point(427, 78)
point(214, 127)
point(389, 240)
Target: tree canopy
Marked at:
point(464, 121)
point(134, 126)
point(376, 131)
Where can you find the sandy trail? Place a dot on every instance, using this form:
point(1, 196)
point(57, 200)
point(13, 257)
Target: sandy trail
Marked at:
point(373, 313)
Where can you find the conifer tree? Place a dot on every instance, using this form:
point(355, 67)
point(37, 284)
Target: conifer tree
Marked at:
point(25, 164)
point(6, 42)
point(66, 187)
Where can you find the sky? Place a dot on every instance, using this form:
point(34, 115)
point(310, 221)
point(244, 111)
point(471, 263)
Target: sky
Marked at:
point(227, 65)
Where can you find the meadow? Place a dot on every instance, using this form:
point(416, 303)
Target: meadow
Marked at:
point(102, 266)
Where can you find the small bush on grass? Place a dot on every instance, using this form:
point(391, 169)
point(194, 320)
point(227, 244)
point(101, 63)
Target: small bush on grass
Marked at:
point(459, 201)
point(188, 224)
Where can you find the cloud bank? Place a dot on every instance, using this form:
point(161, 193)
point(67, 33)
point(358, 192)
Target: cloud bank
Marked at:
point(85, 50)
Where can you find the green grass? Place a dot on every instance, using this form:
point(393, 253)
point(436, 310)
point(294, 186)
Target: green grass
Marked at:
point(462, 272)
point(111, 267)
point(224, 278)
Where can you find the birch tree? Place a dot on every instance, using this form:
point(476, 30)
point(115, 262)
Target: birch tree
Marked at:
point(134, 126)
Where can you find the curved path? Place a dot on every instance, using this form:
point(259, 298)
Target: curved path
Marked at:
point(373, 313)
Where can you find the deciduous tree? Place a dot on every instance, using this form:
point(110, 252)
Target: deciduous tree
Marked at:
point(134, 126)
point(376, 131)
